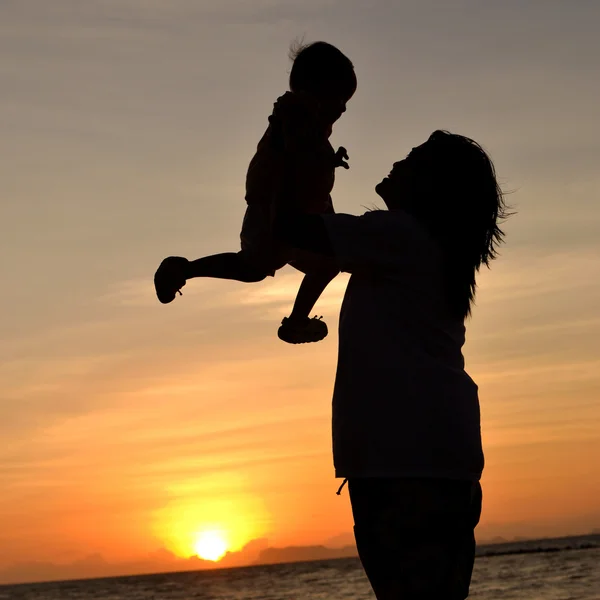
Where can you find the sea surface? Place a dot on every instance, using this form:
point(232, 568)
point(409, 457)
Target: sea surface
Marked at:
point(521, 571)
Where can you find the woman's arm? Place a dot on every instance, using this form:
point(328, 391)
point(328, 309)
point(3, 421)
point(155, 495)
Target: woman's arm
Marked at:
point(307, 232)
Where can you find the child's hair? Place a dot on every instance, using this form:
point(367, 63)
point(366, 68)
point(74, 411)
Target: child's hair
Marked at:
point(319, 65)
point(457, 197)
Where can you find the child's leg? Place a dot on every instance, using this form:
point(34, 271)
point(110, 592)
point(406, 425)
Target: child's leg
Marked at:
point(174, 271)
point(227, 265)
point(298, 328)
point(311, 288)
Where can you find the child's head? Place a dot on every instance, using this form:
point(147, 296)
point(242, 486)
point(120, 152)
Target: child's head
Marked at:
point(449, 184)
point(325, 72)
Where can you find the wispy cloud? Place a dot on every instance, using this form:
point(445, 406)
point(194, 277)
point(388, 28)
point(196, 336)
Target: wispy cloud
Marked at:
point(127, 129)
point(279, 291)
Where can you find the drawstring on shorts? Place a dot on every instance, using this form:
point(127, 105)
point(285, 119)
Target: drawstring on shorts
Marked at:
point(339, 492)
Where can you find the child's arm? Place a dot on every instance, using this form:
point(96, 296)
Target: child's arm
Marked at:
point(296, 115)
point(296, 120)
point(296, 127)
point(303, 141)
point(291, 225)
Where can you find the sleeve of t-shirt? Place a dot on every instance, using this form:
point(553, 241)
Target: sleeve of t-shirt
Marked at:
point(376, 241)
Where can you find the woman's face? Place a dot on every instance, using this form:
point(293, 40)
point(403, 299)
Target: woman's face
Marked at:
point(401, 183)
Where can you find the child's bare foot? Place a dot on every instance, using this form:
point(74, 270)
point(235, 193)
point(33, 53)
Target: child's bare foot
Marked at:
point(170, 278)
point(302, 331)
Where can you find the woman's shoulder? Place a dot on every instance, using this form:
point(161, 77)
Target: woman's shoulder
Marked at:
point(398, 222)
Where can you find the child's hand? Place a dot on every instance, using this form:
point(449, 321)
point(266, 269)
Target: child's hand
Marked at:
point(340, 156)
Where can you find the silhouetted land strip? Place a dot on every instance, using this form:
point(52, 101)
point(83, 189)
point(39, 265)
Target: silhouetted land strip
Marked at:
point(274, 557)
point(584, 542)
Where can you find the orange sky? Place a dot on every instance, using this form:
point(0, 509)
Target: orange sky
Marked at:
point(127, 127)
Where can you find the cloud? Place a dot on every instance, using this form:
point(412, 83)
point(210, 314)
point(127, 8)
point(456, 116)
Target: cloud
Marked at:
point(128, 125)
point(209, 293)
point(208, 339)
point(160, 561)
point(258, 551)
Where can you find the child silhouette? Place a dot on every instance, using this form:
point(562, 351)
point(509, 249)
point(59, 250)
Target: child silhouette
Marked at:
point(322, 81)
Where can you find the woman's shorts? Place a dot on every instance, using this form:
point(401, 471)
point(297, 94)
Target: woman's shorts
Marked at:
point(415, 537)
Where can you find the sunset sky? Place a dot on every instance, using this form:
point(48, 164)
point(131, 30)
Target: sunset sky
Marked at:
point(126, 130)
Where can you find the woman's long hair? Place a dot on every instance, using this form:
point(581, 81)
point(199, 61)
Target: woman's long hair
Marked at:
point(455, 195)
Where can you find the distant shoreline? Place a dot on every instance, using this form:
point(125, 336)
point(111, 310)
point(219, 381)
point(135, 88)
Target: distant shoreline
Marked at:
point(539, 545)
point(307, 554)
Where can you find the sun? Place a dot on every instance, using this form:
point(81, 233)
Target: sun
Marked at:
point(210, 545)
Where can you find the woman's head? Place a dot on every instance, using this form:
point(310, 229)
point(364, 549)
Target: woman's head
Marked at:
point(449, 184)
point(322, 70)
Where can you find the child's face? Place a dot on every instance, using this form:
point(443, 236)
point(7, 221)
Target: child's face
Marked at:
point(333, 103)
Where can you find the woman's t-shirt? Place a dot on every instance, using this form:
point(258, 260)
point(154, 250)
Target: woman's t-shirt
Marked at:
point(403, 405)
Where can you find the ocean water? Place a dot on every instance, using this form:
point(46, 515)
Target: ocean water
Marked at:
point(557, 575)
